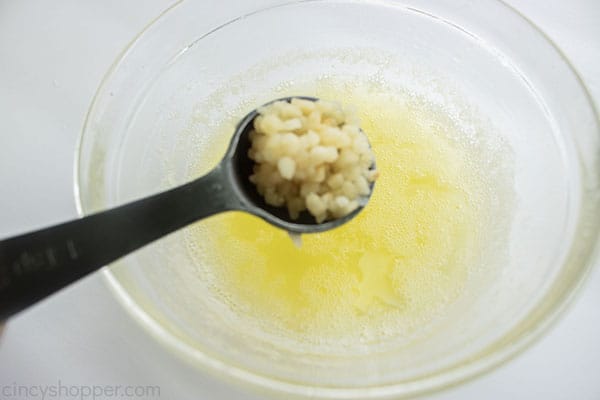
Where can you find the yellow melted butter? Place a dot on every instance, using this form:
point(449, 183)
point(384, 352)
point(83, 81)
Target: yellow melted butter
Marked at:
point(388, 271)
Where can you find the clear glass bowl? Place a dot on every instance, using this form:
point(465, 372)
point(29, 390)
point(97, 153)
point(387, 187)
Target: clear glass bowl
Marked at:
point(183, 77)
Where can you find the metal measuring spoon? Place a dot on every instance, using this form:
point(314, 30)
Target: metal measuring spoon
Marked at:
point(37, 264)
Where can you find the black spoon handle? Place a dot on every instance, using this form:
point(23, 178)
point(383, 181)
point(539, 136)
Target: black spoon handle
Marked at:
point(36, 264)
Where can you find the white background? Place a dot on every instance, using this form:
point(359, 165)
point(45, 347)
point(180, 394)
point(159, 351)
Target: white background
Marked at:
point(53, 55)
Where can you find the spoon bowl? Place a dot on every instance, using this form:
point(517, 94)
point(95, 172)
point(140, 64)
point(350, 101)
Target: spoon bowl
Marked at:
point(238, 164)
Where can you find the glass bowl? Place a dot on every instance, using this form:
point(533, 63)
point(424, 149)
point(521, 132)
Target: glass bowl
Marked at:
point(186, 77)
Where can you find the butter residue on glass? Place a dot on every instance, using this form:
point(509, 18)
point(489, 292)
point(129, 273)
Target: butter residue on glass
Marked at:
point(311, 155)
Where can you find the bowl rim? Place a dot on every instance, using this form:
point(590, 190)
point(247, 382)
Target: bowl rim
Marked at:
point(491, 357)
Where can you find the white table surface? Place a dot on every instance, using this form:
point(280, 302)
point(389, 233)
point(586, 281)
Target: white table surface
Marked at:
point(52, 57)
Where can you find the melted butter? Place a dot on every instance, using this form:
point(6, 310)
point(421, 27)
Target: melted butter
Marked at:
point(388, 271)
